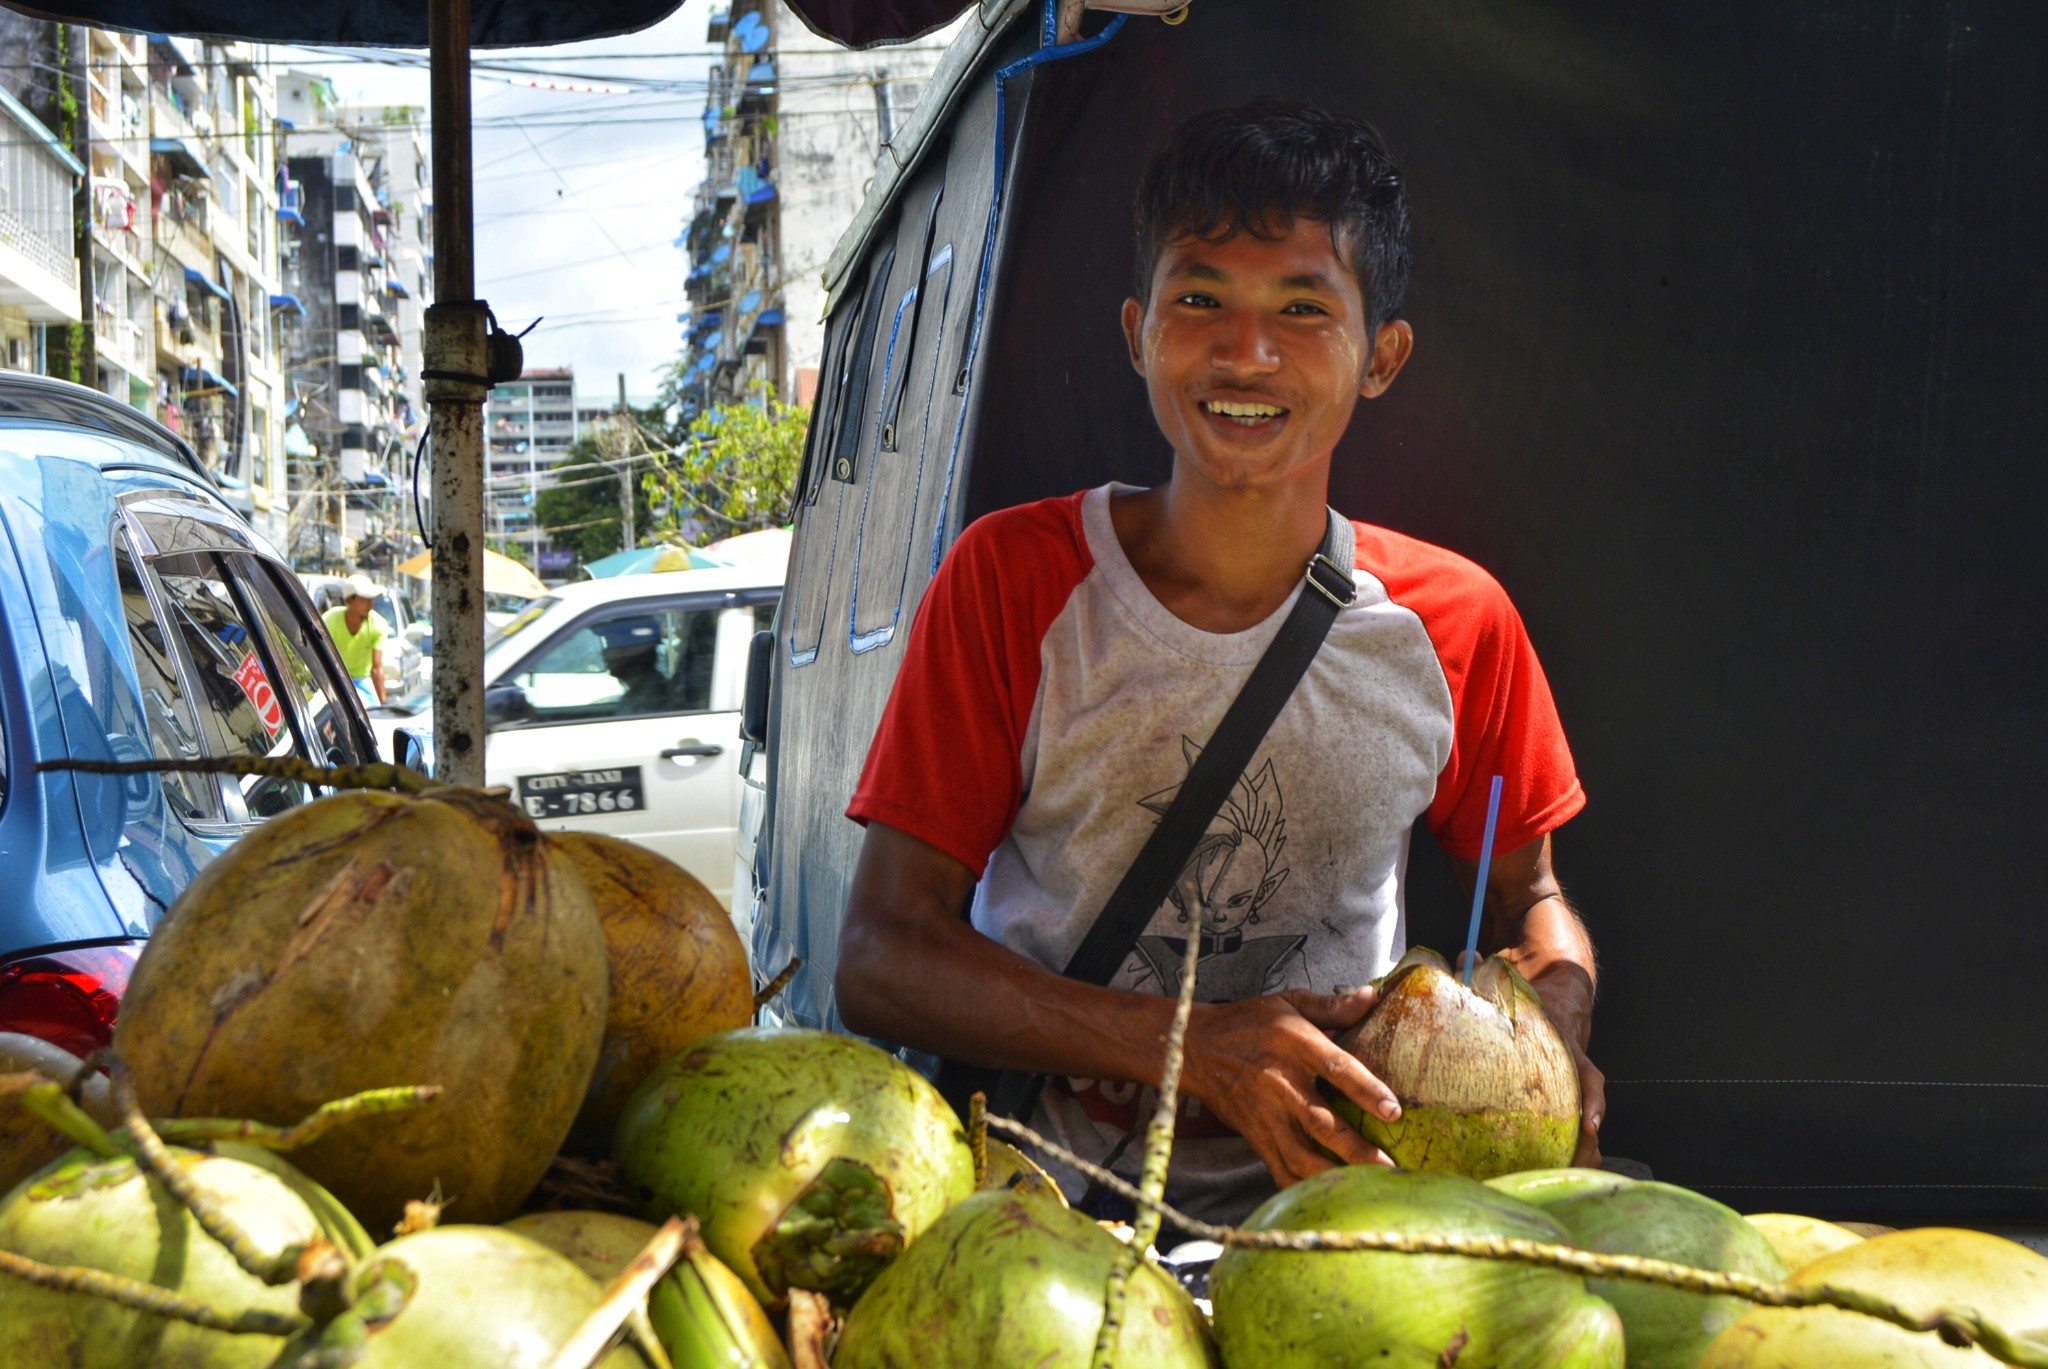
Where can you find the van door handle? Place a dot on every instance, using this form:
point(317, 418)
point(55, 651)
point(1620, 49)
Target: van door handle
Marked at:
point(669, 753)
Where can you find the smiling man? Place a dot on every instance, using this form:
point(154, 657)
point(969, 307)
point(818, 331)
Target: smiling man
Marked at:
point(1072, 657)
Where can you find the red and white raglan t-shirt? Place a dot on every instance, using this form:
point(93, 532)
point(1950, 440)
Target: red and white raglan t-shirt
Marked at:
point(1048, 708)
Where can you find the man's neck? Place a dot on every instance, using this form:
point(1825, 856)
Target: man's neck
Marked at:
point(355, 620)
point(1221, 560)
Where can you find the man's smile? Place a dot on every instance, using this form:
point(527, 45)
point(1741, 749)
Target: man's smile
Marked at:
point(1243, 413)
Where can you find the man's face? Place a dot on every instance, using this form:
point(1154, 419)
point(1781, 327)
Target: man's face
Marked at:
point(360, 606)
point(1254, 351)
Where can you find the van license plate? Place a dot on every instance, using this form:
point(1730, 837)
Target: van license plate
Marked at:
point(574, 793)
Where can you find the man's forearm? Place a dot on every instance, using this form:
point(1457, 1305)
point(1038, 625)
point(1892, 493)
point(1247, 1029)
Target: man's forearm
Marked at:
point(953, 991)
point(1555, 954)
point(913, 972)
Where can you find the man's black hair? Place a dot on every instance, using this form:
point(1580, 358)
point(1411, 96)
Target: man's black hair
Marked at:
point(1259, 167)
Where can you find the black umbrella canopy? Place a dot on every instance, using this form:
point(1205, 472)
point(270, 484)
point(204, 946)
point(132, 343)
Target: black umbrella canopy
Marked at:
point(362, 23)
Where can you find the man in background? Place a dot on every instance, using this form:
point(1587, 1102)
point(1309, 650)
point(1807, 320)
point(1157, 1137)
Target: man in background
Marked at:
point(359, 632)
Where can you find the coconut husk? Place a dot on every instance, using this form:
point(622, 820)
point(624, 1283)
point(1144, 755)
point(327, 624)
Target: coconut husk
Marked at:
point(1487, 1084)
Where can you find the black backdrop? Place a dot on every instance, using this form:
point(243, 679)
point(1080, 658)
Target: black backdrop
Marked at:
point(1731, 369)
point(1730, 366)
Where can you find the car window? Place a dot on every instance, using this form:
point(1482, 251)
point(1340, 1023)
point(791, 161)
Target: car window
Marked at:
point(313, 686)
point(234, 691)
point(173, 726)
point(630, 661)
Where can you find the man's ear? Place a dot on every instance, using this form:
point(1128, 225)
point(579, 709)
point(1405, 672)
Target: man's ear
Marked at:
point(1390, 352)
point(1134, 323)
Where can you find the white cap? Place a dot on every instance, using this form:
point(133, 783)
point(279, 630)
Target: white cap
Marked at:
point(360, 587)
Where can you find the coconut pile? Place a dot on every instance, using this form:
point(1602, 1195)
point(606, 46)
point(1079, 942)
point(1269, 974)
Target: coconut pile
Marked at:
point(403, 1082)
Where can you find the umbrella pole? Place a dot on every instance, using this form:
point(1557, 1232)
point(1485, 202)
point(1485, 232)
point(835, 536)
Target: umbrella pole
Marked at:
point(456, 369)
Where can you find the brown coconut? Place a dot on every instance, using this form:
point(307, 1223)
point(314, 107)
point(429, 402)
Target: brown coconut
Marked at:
point(1486, 1082)
point(678, 969)
point(371, 939)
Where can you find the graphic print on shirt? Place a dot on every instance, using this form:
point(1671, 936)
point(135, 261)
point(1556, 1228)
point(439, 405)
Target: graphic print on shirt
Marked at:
point(1234, 872)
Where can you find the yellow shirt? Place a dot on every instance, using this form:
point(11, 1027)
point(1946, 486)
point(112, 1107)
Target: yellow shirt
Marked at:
point(356, 649)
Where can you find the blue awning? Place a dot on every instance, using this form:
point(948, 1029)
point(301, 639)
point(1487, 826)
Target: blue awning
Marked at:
point(397, 288)
point(193, 276)
point(769, 317)
point(202, 378)
point(721, 253)
point(762, 73)
point(178, 50)
point(291, 216)
point(49, 140)
point(749, 301)
point(288, 302)
point(182, 158)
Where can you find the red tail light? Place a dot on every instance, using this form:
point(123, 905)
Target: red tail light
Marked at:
point(69, 998)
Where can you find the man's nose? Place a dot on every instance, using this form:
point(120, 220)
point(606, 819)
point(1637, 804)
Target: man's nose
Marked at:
point(1243, 344)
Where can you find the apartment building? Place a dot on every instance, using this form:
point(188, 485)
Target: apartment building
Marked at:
point(528, 426)
point(791, 133)
point(358, 186)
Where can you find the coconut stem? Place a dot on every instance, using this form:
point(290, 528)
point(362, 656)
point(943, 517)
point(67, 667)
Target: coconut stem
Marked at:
point(376, 775)
point(977, 1135)
point(1158, 1152)
point(1958, 1326)
point(371, 1103)
point(628, 1292)
point(767, 993)
point(161, 1165)
point(48, 1100)
point(143, 1297)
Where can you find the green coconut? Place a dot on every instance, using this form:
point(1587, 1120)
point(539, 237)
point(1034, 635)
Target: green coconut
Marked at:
point(1546, 1186)
point(1920, 1270)
point(27, 1142)
point(811, 1160)
point(1487, 1084)
point(105, 1214)
point(1667, 1328)
point(1013, 1279)
point(1798, 1240)
point(1277, 1309)
point(701, 1313)
point(1009, 1167)
point(678, 970)
point(463, 1297)
point(371, 939)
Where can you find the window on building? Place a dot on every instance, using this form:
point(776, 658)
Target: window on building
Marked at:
point(347, 258)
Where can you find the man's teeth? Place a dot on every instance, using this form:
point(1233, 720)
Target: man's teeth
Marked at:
point(1243, 413)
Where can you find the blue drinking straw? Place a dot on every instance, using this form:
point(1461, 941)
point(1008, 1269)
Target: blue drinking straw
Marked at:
point(1479, 888)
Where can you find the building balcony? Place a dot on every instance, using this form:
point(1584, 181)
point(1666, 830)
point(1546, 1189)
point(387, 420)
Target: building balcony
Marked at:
point(38, 272)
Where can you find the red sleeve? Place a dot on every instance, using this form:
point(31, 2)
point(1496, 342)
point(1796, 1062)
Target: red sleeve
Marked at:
point(1506, 722)
point(946, 763)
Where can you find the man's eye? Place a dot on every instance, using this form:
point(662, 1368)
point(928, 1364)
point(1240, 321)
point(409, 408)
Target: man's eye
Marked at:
point(1197, 300)
point(1304, 307)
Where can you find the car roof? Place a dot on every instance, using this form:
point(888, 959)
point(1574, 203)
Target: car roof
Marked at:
point(44, 401)
point(663, 584)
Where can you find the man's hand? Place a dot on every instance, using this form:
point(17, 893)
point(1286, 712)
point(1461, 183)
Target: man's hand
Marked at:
point(1256, 1064)
point(1528, 921)
point(1567, 994)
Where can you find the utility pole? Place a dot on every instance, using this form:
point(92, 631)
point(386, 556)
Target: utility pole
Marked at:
point(624, 427)
point(75, 98)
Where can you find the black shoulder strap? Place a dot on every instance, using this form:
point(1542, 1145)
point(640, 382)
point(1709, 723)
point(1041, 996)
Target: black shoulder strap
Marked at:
point(1327, 588)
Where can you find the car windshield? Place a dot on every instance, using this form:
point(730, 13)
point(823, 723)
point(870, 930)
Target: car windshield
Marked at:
point(421, 699)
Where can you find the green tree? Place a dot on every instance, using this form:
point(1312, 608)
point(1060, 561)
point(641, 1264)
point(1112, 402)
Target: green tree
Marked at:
point(581, 511)
point(734, 470)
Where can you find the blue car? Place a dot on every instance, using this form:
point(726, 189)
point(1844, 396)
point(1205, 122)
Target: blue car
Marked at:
point(140, 616)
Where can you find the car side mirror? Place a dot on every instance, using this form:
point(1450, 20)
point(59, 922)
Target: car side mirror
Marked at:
point(414, 750)
point(754, 702)
point(506, 703)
